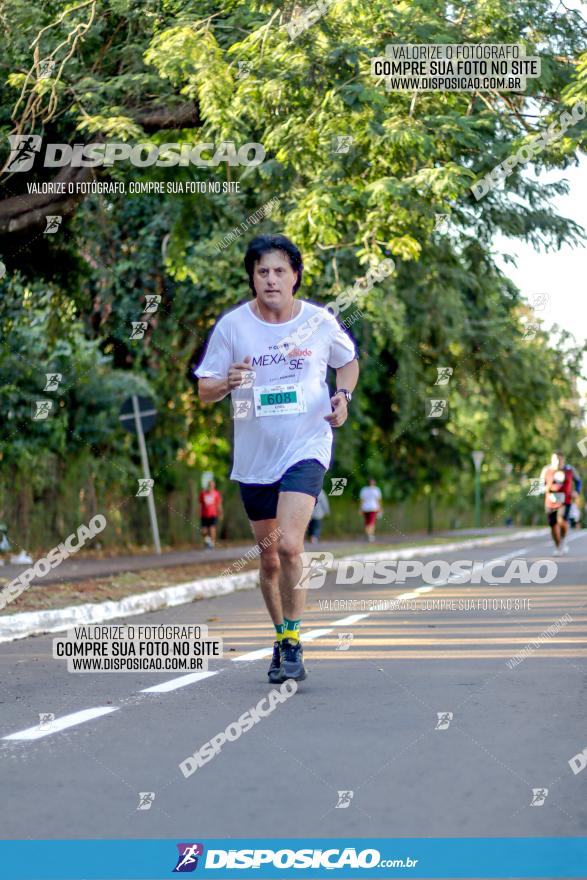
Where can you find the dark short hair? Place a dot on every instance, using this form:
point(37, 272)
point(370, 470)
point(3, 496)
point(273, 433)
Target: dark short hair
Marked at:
point(263, 244)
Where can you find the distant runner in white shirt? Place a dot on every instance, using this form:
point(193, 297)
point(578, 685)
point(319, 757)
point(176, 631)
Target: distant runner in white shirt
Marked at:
point(370, 501)
point(283, 418)
point(321, 510)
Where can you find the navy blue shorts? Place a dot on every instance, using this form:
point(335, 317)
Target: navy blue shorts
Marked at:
point(553, 514)
point(260, 499)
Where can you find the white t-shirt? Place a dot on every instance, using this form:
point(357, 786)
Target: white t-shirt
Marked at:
point(266, 446)
point(370, 497)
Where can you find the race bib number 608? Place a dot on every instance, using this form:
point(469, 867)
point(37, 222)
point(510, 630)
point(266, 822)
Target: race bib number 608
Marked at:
point(274, 400)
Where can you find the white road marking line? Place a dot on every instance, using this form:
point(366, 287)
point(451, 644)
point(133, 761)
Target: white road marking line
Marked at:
point(266, 652)
point(575, 535)
point(479, 566)
point(315, 634)
point(570, 538)
point(33, 733)
point(261, 653)
point(253, 655)
point(347, 621)
point(353, 618)
point(175, 683)
point(62, 723)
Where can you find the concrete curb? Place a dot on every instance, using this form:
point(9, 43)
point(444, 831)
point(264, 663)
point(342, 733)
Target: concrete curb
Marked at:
point(29, 623)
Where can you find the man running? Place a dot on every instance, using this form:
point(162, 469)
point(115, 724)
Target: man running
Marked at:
point(210, 510)
point(560, 480)
point(370, 507)
point(283, 418)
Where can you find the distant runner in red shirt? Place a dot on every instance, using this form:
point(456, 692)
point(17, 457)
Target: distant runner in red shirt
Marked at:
point(559, 481)
point(210, 510)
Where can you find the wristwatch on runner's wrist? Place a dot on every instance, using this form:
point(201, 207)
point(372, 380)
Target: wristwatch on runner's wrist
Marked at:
point(346, 393)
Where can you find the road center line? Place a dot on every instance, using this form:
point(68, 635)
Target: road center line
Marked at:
point(266, 652)
point(259, 654)
point(174, 683)
point(34, 733)
point(60, 724)
point(347, 621)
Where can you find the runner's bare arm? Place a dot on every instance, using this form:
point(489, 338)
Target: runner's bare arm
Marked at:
point(346, 377)
point(213, 390)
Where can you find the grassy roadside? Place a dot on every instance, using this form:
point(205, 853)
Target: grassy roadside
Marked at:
point(41, 597)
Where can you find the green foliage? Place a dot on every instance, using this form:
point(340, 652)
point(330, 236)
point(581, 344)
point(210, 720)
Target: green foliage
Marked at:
point(68, 303)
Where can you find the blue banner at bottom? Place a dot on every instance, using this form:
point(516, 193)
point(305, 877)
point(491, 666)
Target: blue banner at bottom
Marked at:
point(226, 858)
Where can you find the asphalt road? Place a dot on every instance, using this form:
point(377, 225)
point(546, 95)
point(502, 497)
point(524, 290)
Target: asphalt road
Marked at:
point(365, 721)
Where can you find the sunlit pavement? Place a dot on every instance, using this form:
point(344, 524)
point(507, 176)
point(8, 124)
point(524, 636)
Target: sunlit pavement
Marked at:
point(411, 722)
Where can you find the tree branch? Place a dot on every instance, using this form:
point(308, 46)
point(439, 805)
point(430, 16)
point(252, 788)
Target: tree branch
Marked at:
point(27, 212)
point(159, 118)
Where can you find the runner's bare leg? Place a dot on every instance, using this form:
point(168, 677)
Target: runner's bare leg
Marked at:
point(269, 567)
point(294, 510)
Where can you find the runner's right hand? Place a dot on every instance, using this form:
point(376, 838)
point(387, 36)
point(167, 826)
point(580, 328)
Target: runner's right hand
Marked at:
point(235, 372)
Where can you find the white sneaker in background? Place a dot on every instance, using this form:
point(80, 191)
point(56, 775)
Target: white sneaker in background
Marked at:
point(557, 551)
point(564, 548)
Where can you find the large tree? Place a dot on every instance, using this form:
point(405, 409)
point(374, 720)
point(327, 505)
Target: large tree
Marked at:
point(174, 71)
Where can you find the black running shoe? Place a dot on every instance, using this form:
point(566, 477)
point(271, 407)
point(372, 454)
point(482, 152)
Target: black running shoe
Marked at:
point(274, 673)
point(292, 660)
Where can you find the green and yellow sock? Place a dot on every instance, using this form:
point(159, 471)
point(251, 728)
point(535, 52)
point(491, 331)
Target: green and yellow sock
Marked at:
point(279, 629)
point(292, 629)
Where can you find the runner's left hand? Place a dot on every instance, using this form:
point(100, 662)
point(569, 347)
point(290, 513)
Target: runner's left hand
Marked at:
point(340, 411)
